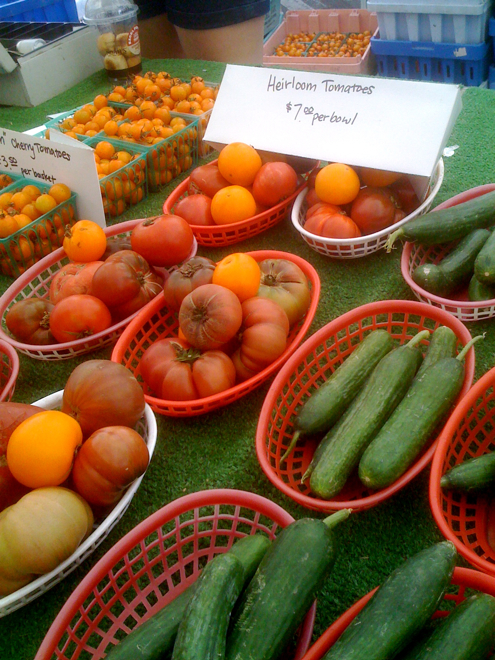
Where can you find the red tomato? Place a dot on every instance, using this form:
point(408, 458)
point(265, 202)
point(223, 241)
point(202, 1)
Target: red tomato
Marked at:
point(373, 209)
point(107, 463)
point(312, 198)
point(115, 244)
point(29, 321)
point(332, 225)
point(165, 240)
point(101, 393)
point(405, 194)
point(196, 209)
point(125, 283)
point(207, 180)
point(273, 183)
point(312, 177)
point(210, 316)
point(79, 316)
point(285, 283)
point(322, 206)
point(264, 332)
point(176, 372)
point(73, 278)
point(191, 274)
point(11, 415)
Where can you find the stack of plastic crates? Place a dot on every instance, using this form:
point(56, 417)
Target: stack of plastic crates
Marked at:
point(444, 41)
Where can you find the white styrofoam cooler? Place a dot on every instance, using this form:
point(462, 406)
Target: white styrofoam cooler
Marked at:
point(455, 21)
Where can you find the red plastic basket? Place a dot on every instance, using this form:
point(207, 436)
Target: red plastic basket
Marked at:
point(462, 579)
point(221, 235)
point(153, 564)
point(35, 283)
point(468, 520)
point(314, 361)
point(415, 254)
point(156, 321)
point(9, 370)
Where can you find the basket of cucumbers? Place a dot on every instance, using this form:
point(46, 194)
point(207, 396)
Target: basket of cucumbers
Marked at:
point(426, 609)
point(171, 583)
point(463, 476)
point(449, 257)
point(327, 432)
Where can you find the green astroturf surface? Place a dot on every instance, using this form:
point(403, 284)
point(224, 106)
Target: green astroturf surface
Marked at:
point(217, 449)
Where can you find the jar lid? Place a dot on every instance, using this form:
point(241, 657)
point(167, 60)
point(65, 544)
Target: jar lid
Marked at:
point(106, 12)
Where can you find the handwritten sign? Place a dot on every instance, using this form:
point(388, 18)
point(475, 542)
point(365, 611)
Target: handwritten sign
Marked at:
point(58, 160)
point(396, 125)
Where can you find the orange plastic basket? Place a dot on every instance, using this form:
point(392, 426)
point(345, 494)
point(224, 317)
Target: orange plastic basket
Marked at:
point(415, 254)
point(468, 520)
point(221, 235)
point(9, 370)
point(154, 563)
point(463, 579)
point(35, 283)
point(314, 361)
point(157, 321)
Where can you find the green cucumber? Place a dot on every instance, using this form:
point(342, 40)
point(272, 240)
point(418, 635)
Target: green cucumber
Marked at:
point(426, 403)
point(202, 632)
point(450, 224)
point(443, 342)
point(484, 265)
point(340, 450)
point(400, 607)
point(455, 269)
point(328, 402)
point(287, 581)
point(478, 291)
point(473, 475)
point(154, 638)
point(467, 633)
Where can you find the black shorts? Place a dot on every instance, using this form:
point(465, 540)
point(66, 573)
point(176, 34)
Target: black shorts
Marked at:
point(204, 14)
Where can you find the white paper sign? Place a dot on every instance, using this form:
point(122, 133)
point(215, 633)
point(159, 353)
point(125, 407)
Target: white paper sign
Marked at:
point(396, 125)
point(58, 160)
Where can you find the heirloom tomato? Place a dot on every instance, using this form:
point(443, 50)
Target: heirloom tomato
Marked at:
point(273, 183)
point(192, 273)
point(332, 224)
point(125, 282)
point(29, 321)
point(107, 463)
point(175, 371)
point(285, 283)
point(374, 209)
point(207, 180)
point(240, 273)
point(79, 316)
point(85, 241)
point(196, 209)
point(164, 241)
point(210, 316)
point(73, 278)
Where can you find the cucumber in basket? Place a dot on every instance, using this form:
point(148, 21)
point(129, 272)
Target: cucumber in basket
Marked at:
point(203, 629)
point(467, 633)
point(449, 224)
point(282, 589)
point(400, 607)
point(328, 402)
point(400, 440)
point(340, 450)
point(443, 342)
point(473, 475)
point(154, 638)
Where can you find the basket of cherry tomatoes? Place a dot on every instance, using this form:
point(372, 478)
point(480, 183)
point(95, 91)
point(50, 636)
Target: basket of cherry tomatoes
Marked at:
point(349, 212)
point(80, 297)
point(218, 330)
point(9, 370)
point(240, 195)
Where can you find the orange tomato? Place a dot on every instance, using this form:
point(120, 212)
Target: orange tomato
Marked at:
point(232, 204)
point(337, 183)
point(44, 203)
point(377, 178)
point(239, 163)
point(85, 241)
point(60, 192)
point(240, 273)
point(41, 449)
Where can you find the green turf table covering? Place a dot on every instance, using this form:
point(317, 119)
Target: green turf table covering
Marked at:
point(217, 450)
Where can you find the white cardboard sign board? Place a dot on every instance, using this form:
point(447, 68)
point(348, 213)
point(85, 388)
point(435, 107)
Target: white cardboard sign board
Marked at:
point(58, 160)
point(396, 125)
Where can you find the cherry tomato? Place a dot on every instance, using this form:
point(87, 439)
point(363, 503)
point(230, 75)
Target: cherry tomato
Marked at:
point(273, 183)
point(196, 209)
point(164, 241)
point(79, 316)
point(373, 209)
point(29, 321)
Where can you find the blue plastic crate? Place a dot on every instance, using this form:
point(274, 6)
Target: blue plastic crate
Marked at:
point(491, 77)
point(460, 64)
point(39, 11)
